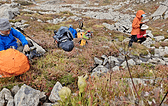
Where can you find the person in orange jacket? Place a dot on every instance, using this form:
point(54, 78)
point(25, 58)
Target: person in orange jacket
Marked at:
point(136, 25)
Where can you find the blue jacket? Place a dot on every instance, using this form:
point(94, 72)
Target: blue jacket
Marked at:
point(73, 31)
point(7, 41)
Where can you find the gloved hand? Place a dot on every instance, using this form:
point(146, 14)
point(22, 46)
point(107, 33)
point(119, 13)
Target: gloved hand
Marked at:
point(144, 35)
point(26, 48)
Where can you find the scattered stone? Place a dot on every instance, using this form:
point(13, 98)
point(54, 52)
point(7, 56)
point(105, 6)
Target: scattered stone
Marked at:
point(100, 70)
point(54, 96)
point(116, 68)
point(98, 61)
point(15, 89)
point(5, 95)
point(47, 104)
point(43, 97)
point(130, 62)
point(6, 11)
point(27, 96)
point(105, 59)
point(159, 38)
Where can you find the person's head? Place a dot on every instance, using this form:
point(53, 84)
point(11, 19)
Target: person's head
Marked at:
point(70, 26)
point(89, 31)
point(5, 27)
point(140, 14)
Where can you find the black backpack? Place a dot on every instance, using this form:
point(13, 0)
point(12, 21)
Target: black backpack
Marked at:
point(64, 39)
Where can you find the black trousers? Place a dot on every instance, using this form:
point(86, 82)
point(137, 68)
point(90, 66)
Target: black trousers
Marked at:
point(135, 39)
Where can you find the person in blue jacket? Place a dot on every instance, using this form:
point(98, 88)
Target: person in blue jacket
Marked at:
point(7, 37)
point(73, 31)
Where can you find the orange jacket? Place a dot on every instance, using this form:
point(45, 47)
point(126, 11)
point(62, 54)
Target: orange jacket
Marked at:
point(136, 22)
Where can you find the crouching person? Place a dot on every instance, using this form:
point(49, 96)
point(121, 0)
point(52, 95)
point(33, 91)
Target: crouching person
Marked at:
point(7, 37)
point(136, 25)
point(142, 36)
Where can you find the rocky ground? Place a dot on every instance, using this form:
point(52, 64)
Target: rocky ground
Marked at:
point(109, 20)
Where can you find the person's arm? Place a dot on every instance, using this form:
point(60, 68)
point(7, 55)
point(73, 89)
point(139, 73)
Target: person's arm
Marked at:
point(135, 24)
point(20, 36)
point(1, 46)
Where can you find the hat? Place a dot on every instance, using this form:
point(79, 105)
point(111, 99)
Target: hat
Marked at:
point(4, 24)
point(70, 26)
point(144, 27)
point(143, 15)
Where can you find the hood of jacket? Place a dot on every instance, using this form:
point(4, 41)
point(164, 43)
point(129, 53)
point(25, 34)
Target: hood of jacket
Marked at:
point(139, 13)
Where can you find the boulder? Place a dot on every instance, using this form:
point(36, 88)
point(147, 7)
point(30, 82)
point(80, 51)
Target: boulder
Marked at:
point(98, 61)
point(5, 95)
point(7, 11)
point(99, 70)
point(27, 96)
point(54, 96)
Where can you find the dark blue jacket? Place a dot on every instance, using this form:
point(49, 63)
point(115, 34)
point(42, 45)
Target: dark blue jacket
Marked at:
point(73, 31)
point(7, 41)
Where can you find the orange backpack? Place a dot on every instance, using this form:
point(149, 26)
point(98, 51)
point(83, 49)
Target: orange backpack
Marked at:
point(13, 62)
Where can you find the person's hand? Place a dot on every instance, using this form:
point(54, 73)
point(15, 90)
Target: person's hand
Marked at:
point(141, 24)
point(144, 35)
point(26, 48)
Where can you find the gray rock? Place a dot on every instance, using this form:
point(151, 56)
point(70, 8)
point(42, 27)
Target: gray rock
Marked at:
point(112, 58)
point(159, 38)
point(166, 50)
point(149, 32)
point(160, 52)
point(138, 61)
point(148, 42)
point(10, 102)
point(98, 61)
point(43, 97)
point(156, 61)
point(165, 59)
point(15, 89)
point(100, 70)
point(54, 96)
point(39, 49)
point(2, 102)
point(126, 40)
point(6, 11)
point(74, 18)
point(112, 61)
point(27, 96)
point(166, 40)
point(116, 68)
point(105, 59)
point(5, 95)
point(130, 63)
point(47, 104)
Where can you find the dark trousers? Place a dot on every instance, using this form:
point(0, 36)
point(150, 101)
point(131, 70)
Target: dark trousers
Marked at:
point(140, 40)
point(135, 39)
